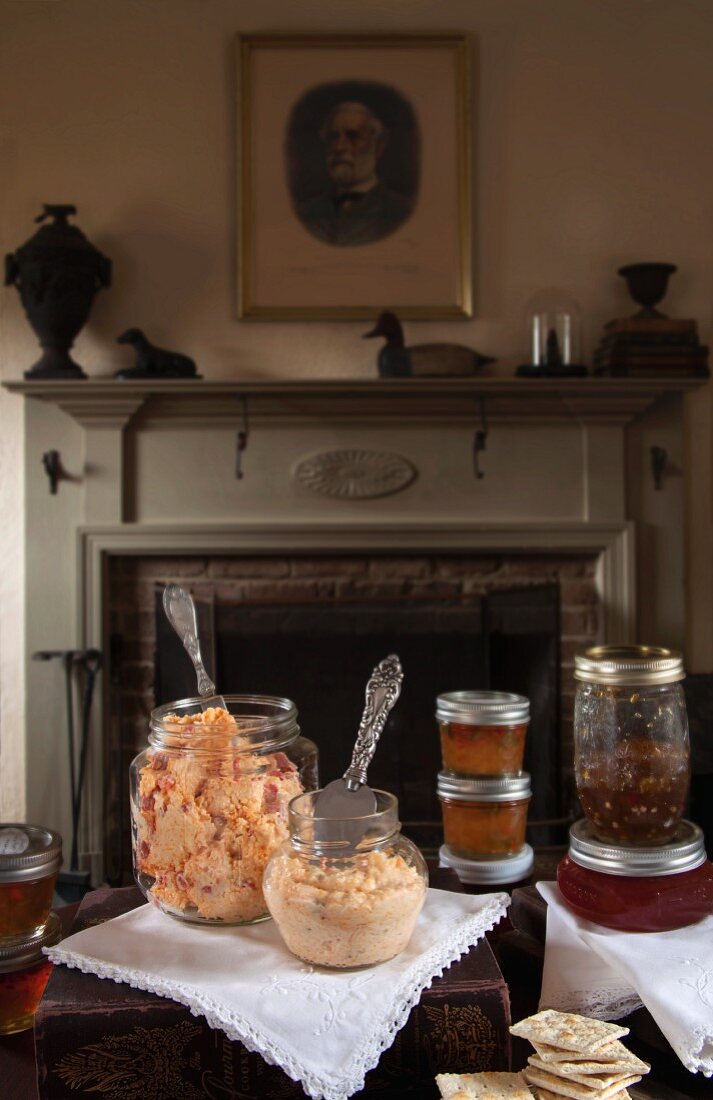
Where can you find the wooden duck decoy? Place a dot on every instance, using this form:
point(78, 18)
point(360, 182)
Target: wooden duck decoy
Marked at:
point(395, 360)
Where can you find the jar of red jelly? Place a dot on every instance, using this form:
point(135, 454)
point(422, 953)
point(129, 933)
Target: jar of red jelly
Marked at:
point(24, 972)
point(30, 859)
point(631, 751)
point(636, 889)
point(482, 732)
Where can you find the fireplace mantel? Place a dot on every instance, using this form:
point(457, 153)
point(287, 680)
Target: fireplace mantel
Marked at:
point(150, 469)
point(113, 403)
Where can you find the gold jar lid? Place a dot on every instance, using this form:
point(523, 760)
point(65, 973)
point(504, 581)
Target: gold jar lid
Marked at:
point(629, 665)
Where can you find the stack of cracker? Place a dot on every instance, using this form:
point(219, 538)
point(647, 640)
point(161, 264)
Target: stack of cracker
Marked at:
point(577, 1057)
point(483, 1086)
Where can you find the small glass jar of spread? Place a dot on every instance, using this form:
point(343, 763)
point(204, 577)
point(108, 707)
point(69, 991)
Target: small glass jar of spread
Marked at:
point(24, 972)
point(209, 804)
point(637, 889)
point(344, 905)
point(482, 732)
point(631, 751)
point(30, 859)
point(484, 816)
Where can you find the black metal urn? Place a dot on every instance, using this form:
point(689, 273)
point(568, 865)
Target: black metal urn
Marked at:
point(57, 273)
point(647, 285)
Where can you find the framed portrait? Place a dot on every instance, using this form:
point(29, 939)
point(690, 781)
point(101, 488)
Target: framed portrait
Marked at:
point(353, 176)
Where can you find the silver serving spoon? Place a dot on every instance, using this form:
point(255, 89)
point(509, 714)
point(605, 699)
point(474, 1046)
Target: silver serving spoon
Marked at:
point(349, 797)
point(181, 614)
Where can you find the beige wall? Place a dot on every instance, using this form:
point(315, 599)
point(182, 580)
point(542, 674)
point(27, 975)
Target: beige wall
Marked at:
point(592, 148)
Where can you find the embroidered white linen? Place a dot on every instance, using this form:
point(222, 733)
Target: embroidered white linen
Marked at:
point(600, 972)
point(325, 1029)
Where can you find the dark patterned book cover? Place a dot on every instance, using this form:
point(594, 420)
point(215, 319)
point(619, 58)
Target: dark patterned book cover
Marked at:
point(98, 1038)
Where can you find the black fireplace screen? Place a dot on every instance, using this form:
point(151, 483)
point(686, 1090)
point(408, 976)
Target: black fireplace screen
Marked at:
point(321, 655)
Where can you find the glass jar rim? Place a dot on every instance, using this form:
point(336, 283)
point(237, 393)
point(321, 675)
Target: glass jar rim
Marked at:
point(508, 787)
point(379, 827)
point(684, 852)
point(483, 708)
point(629, 665)
point(36, 852)
point(276, 726)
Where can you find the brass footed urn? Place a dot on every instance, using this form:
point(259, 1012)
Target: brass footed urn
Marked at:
point(57, 272)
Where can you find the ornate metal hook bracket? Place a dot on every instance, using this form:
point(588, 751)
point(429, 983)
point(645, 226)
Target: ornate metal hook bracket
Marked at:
point(659, 462)
point(479, 440)
point(53, 469)
point(242, 439)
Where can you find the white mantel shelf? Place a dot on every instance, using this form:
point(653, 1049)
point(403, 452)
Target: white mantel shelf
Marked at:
point(112, 403)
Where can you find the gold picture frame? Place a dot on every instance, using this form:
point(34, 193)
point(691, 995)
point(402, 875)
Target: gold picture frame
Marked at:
point(354, 176)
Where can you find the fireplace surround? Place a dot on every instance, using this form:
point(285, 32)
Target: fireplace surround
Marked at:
point(149, 474)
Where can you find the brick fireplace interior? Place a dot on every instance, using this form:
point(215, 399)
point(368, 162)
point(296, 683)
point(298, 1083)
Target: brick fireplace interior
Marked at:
point(508, 622)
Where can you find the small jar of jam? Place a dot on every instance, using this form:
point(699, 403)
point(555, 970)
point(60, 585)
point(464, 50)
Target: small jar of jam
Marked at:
point(484, 816)
point(636, 889)
point(631, 751)
point(24, 972)
point(30, 859)
point(482, 732)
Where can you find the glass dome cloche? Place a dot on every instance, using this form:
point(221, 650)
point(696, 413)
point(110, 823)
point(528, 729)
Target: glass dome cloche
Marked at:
point(554, 331)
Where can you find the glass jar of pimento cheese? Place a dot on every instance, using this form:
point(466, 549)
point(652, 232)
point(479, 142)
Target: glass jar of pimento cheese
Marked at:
point(484, 816)
point(30, 859)
point(482, 732)
point(209, 801)
point(344, 906)
point(631, 750)
point(24, 973)
point(637, 889)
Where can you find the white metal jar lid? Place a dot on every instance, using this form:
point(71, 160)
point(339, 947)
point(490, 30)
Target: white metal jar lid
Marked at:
point(684, 852)
point(483, 708)
point(629, 665)
point(484, 788)
point(486, 872)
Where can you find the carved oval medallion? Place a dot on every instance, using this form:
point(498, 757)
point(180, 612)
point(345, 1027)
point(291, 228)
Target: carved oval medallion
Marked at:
point(355, 474)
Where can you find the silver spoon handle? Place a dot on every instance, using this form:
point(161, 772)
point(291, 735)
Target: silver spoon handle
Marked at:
point(181, 613)
point(382, 691)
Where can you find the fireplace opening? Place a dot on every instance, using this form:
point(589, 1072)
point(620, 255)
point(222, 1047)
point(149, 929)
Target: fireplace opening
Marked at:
point(321, 655)
point(313, 629)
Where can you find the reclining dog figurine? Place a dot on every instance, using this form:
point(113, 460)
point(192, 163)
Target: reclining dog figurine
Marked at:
point(152, 362)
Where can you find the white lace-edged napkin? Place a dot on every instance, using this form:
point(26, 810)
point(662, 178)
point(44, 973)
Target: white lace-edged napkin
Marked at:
point(600, 972)
point(326, 1029)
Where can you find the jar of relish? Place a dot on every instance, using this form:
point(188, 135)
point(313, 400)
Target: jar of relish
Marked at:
point(631, 751)
point(484, 816)
point(636, 889)
point(482, 732)
point(30, 859)
point(24, 973)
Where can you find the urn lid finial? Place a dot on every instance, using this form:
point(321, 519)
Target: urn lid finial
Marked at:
point(59, 212)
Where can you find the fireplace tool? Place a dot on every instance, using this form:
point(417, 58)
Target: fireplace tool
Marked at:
point(73, 884)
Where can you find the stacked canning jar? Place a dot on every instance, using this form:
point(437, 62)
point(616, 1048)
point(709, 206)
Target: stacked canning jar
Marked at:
point(483, 791)
point(634, 863)
point(30, 857)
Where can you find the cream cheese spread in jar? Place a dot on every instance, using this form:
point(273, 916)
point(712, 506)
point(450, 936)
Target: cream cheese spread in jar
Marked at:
point(340, 907)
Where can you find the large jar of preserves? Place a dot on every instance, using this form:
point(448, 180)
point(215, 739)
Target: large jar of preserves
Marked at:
point(482, 732)
point(209, 801)
point(631, 750)
point(340, 904)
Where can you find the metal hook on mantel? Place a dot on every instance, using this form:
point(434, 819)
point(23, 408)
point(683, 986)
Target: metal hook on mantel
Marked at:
point(53, 468)
point(659, 462)
point(479, 439)
point(242, 439)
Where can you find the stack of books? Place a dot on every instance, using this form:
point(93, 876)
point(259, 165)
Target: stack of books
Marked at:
point(651, 347)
